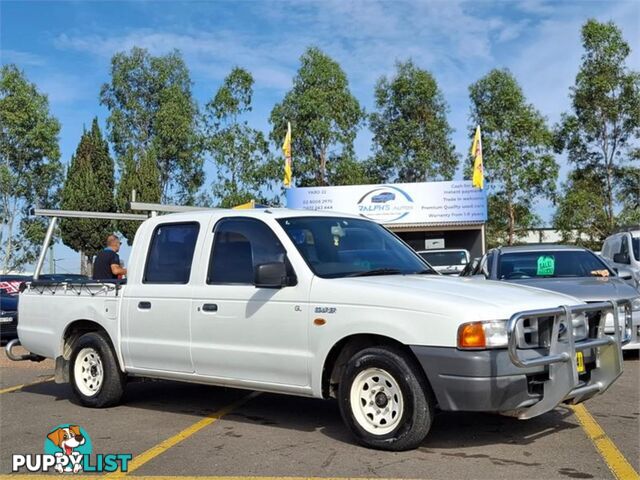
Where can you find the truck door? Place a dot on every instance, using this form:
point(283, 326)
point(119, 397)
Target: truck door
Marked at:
point(156, 324)
point(240, 331)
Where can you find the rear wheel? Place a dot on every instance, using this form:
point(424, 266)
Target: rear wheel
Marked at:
point(385, 400)
point(95, 374)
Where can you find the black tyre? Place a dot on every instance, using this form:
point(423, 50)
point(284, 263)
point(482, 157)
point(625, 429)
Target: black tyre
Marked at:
point(94, 372)
point(385, 400)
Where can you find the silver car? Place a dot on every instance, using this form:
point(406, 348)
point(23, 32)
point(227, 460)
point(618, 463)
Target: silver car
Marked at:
point(565, 269)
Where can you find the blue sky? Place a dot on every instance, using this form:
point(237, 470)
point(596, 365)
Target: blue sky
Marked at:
point(65, 48)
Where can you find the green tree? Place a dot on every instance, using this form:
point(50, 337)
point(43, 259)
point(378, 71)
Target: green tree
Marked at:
point(324, 118)
point(350, 171)
point(517, 148)
point(581, 215)
point(245, 170)
point(152, 113)
point(30, 167)
point(411, 134)
point(602, 130)
point(498, 225)
point(143, 176)
point(89, 186)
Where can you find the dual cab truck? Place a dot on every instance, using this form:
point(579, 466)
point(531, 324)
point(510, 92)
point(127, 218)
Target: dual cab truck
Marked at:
point(319, 305)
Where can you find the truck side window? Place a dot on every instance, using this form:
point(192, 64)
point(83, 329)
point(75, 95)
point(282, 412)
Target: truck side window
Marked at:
point(171, 253)
point(239, 244)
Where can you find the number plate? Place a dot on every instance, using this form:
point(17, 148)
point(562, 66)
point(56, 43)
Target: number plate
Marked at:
point(580, 362)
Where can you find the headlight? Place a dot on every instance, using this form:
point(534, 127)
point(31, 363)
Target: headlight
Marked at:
point(635, 304)
point(480, 335)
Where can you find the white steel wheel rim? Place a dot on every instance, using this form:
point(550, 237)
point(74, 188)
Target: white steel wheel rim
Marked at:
point(376, 401)
point(88, 372)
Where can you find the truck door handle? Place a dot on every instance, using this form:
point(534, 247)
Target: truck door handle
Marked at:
point(144, 305)
point(209, 307)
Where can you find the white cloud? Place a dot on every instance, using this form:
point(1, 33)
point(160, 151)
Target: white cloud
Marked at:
point(210, 54)
point(547, 65)
point(20, 58)
point(365, 37)
point(64, 88)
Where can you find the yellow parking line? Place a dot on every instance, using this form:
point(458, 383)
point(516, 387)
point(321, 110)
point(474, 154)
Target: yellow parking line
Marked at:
point(616, 462)
point(165, 445)
point(203, 477)
point(19, 387)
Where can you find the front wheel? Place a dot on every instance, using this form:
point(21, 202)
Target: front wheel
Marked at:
point(95, 374)
point(385, 400)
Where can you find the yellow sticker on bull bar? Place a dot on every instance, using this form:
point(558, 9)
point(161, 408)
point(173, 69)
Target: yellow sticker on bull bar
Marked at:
point(580, 362)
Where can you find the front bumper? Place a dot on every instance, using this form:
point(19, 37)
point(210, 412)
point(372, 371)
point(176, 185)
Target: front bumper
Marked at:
point(528, 382)
point(483, 381)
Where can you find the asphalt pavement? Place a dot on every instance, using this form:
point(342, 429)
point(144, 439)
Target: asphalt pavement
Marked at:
point(177, 429)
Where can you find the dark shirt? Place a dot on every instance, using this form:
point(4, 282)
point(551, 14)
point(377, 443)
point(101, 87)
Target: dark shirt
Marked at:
point(102, 265)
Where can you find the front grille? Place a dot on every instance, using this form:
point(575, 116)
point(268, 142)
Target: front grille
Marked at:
point(535, 332)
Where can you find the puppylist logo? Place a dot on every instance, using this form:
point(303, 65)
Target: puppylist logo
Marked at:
point(68, 449)
point(386, 203)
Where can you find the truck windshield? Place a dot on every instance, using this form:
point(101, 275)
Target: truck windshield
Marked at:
point(340, 247)
point(551, 263)
point(445, 259)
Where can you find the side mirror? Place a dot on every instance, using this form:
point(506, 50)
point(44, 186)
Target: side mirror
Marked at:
point(621, 258)
point(272, 275)
point(625, 274)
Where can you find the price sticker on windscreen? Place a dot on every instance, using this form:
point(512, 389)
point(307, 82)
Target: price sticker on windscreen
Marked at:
point(546, 266)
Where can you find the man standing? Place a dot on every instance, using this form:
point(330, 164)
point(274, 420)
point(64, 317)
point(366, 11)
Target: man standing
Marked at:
point(106, 266)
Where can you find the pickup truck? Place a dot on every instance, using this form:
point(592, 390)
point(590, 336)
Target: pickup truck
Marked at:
point(319, 305)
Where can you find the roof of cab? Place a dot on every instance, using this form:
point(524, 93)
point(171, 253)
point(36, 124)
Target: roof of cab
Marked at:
point(250, 212)
point(535, 247)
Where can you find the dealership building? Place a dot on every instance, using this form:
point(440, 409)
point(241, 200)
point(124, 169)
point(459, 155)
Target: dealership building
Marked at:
point(429, 215)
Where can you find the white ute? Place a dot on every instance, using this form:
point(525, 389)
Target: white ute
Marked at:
point(319, 305)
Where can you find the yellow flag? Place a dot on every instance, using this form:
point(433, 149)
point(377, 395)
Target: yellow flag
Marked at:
point(476, 153)
point(242, 206)
point(286, 148)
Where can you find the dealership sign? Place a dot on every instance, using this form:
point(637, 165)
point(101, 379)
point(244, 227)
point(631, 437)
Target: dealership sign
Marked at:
point(431, 202)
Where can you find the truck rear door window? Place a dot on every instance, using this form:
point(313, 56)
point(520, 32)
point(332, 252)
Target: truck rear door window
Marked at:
point(171, 253)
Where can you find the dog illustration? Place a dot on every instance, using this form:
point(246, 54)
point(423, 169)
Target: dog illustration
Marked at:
point(67, 439)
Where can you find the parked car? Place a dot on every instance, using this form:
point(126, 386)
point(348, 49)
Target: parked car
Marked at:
point(450, 261)
point(10, 284)
point(623, 250)
point(383, 197)
point(318, 305)
point(9, 290)
point(8, 316)
point(565, 269)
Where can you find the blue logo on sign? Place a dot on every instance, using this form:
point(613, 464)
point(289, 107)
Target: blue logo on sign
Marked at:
point(385, 204)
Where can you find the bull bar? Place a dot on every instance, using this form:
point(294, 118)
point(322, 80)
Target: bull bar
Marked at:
point(564, 384)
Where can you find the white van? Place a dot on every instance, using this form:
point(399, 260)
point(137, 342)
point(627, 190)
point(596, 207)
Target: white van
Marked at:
point(622, 249)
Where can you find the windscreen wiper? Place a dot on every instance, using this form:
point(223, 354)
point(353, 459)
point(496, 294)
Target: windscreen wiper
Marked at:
point(376, 271)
